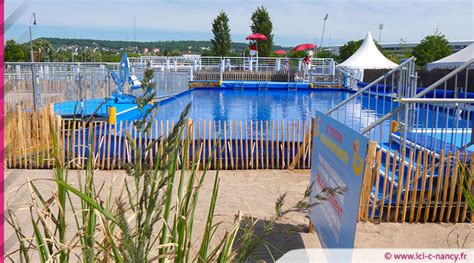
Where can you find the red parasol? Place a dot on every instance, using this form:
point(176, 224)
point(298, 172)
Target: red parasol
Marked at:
point(256, 36)
point(304, 47)
point(280, 52)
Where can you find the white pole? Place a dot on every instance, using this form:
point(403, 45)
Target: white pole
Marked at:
point(322, 35)
point(380, 34)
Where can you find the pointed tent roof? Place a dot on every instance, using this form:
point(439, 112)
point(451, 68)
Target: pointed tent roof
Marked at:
point(368, 56)
point(454, 60)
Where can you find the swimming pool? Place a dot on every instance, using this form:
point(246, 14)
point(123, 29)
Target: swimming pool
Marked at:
point(250, 104)
point(261, 105)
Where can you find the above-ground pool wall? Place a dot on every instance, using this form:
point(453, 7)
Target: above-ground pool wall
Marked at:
point(411, 186)
point(228, 144)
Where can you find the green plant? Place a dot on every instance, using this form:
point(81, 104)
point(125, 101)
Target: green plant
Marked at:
point(262, 24)
point(431, 48)
point(152, 215)
point(465, 182)
point(144, 223)
point(221, 42)
point(15, 52)
point(250, 240)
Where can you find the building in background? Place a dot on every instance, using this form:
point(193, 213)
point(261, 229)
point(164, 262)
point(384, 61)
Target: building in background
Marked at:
point(403, 47)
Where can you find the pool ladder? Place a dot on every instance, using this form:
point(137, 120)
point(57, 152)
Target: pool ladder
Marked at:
point(292, 85)
point(237, 87)
point(262, 86)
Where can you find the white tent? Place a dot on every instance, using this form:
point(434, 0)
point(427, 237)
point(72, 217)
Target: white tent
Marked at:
point(454, 60)
point(367, 56)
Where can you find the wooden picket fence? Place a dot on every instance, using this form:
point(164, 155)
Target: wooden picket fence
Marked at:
point(421, 196)
point(28, 137)
point(238, 144)
point(252, 145)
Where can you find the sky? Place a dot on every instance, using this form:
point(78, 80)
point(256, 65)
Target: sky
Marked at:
point(294, 21)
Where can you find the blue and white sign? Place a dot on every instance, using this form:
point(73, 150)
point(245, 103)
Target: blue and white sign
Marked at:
point(337, 163)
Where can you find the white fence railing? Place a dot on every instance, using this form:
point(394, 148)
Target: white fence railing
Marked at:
point(34, 85)
point(317, 66)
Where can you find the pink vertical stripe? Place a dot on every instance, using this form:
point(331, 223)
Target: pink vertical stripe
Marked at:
point(2, 125)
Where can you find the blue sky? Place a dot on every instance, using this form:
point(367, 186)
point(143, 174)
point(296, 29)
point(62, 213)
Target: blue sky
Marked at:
point(294, 21)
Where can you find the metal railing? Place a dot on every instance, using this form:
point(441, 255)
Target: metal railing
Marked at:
point(436, 118)
point(345, 79)
point(34, 85)
point(318, 66)
point(377, 99)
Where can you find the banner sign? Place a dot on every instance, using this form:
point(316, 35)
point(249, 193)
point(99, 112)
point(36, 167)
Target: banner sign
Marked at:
point(336, 176)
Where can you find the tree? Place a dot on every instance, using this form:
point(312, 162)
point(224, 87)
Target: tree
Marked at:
point(221, 42)
point(262, 24)
point(92, 55)
point(15, 52)
point(61, 55)
point(431, 48)
point(351, 47)
point(43, 50)
point(296, 54)
point(326, 53)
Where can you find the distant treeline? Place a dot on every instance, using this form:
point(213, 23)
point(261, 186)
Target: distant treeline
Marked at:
point(181, 45)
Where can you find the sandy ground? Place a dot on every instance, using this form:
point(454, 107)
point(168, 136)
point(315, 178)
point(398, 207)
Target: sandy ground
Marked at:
point(254, 193)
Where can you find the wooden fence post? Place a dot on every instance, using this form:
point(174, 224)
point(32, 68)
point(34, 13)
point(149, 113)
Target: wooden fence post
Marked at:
point(367, 181)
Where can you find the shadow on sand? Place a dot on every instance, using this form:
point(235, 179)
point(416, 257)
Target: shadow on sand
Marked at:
point(283, 238)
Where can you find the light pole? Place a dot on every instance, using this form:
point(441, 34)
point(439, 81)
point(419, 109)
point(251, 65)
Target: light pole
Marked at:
point(36, 97)
point(322, 35)
point(380, 34)
point(32, 23)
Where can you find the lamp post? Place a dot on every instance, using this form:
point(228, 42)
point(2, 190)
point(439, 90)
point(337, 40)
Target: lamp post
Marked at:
point(380, 33)
point(32, 23)
point(36, 96)
point(322, 35)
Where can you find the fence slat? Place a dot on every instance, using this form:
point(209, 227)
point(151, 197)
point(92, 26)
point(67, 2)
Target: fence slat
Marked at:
point(220, 144)
point(236, 144)
point(423, 185)
point(378, 162)
point(277, 144)
point(366, 180)
point(267, 154)
point(459, 184)
point(246, 146)
point(214, 146)
point(384, 188)
point(392, 181)
point(445, 185)
point(430, 188)
point(225, 145)
point(242, 165)
point(256, 144)
point(438, 184)
point(272, 144)
point(469, 186)
point(415, 188)
point(452, 187)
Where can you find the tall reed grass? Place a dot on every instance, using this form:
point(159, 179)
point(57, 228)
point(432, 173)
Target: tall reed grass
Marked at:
point(152, 216)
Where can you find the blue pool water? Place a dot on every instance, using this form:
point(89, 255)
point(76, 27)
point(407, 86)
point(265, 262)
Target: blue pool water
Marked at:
point(211, 104)
point(251, 104)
